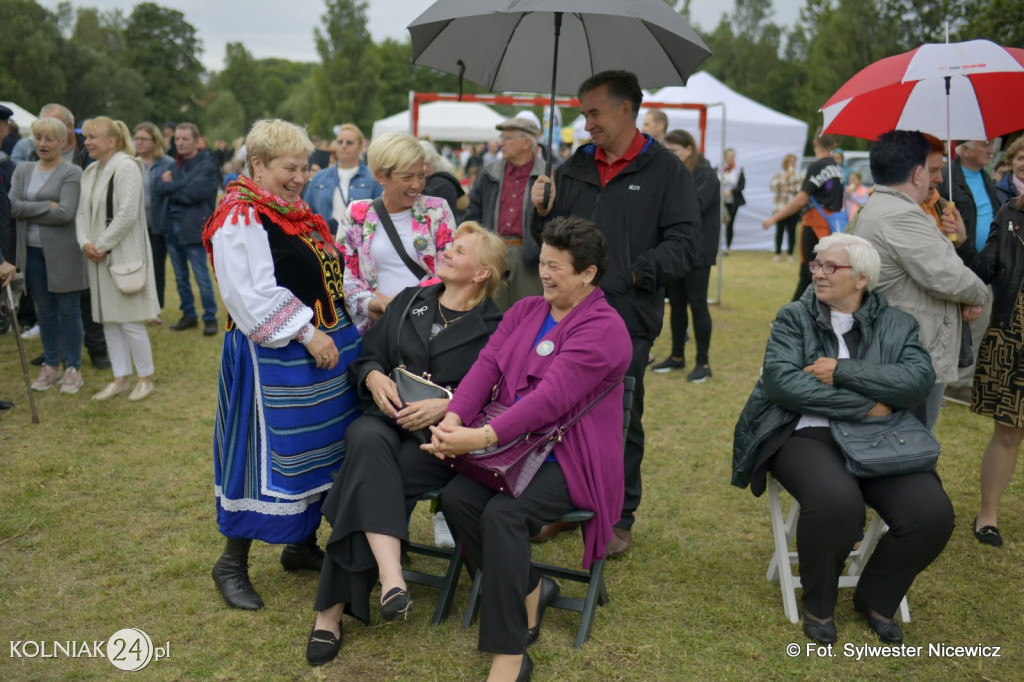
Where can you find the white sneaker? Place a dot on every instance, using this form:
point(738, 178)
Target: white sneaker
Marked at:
point(442, 533)
point(48, 376)
point(72, 381)
point(30, 334)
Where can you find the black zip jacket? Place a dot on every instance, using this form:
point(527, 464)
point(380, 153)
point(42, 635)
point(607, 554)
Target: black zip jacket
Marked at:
point(1001, 262)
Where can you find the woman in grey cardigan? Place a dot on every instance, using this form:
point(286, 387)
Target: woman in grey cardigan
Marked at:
point(44, 199)
point(119, 240)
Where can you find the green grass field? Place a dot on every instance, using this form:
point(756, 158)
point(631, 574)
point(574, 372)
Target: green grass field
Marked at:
point(107, 522)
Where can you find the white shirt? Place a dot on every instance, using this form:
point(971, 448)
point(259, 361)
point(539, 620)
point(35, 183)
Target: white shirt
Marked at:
point(264, 311)
point(841, 323)
point(393, 274)
point(340, 199)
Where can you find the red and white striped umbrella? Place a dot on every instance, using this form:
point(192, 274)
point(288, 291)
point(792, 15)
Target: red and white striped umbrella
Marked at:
point(962, 91)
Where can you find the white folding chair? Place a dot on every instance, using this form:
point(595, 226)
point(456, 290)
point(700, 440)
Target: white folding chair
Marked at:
point(780, 569)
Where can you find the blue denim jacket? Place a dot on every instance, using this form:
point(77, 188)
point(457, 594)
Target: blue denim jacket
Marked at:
point(320, 193)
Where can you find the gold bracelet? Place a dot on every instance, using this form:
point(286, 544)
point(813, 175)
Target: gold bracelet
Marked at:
point(487, 436)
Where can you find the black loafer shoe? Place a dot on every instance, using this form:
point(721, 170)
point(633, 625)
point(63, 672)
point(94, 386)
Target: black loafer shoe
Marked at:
point(38, 360)
point(100, 360)
point(395, 604)
point(210, 328)
point(185, 323)
point(323, 646)
point(820, 633)
point(987, 535)
point(526, 669)
point(302, 556)
point(888, 631)
point(6, 405)
point(549, 590)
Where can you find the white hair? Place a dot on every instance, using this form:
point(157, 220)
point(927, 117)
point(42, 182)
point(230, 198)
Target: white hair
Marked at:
point(862, 254)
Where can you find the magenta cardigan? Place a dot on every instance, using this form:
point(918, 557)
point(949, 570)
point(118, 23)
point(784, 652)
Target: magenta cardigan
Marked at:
point(592, 350)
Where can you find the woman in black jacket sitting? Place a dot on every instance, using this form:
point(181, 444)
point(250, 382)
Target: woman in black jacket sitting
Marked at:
point(435, 330)
point(841, 352)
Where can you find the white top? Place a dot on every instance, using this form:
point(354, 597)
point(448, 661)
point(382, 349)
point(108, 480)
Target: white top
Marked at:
point(264, 311)
point(340, 200)
point(393, 274)
point(841, 323)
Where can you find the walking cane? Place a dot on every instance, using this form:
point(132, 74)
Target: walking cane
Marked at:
point(21, 349)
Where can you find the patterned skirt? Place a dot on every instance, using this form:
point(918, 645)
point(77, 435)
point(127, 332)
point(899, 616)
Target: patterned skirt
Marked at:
point(279, 435)
point(999, 374)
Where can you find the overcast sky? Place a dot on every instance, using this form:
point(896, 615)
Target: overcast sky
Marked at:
point(267, 31)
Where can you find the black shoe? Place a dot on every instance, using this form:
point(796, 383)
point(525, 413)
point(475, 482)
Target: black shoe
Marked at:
point(231, 574)
point(100, 360)
point(5, 405)
point(303, 556)
point(185, 323)
point(396, 603)
point(987, 535)
point(549, 590)
point(667, 365)
point(820, 633)
point(526, 669)
point(323, 646)
point(209, 327)
point(38, 360)
point(699, 375)
point(888, 631)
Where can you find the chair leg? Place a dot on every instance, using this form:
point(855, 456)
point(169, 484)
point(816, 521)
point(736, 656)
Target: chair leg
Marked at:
point(473, 605)
point(446, 593)
point(590, 602)
point(780, 567)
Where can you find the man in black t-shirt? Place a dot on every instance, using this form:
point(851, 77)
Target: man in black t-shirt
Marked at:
point(824, 182)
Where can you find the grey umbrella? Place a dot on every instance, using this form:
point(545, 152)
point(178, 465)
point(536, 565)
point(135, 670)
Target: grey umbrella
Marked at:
point(514, 45)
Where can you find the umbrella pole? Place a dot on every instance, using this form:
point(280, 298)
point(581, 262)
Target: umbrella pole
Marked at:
point(21, 350)
point(949, 142)
point(551, 109)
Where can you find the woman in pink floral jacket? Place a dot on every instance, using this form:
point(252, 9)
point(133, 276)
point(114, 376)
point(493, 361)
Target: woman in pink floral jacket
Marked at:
point(374, 268)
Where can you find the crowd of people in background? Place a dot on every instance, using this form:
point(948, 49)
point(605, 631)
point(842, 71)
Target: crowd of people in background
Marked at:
point(477, 266)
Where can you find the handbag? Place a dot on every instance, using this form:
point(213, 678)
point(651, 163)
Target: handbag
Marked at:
point(130, 277)
point(892, 445)
point(837, 221)
point(412, 387)
point(509, 468)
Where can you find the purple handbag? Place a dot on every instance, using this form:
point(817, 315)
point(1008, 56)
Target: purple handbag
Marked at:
point(509, 468)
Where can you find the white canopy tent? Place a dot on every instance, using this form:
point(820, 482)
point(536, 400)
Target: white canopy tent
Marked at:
point(448, 121)
point(761, 137)
point(23, 118)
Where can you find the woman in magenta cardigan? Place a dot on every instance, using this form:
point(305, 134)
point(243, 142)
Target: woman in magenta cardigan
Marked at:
point(552, 357)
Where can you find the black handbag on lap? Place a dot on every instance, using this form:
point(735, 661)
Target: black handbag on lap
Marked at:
point(886, 446)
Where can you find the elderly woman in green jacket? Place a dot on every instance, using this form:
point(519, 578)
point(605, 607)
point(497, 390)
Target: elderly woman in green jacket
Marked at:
point(841, 352)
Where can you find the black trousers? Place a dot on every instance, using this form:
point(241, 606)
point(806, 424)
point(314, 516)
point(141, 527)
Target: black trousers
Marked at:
point(95, 341)
point(692, 291)
point(159, 246)
point(787, 226)
point(808, 240)
point(730, 212)
point(919, 514)
point(495, 530)
point(633, 455)
point(375, 491)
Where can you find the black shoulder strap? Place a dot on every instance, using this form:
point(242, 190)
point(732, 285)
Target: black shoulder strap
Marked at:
point(110, 200)
point(401, 320)
point(389, 227)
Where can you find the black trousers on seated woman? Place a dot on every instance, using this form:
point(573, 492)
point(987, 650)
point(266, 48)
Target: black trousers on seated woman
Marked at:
point(375, 491)
point(495, 530)
point(810, 466)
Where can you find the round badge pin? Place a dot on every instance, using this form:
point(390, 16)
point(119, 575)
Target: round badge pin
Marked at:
point(420, 243)
point(545, 348)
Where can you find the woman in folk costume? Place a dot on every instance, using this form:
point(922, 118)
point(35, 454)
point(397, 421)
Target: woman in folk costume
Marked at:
point(284, 400)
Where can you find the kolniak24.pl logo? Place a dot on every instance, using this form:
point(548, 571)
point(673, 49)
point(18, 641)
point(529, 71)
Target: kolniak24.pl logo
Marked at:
point(128, 649)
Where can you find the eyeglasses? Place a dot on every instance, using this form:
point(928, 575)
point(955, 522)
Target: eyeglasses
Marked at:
point(827, 268)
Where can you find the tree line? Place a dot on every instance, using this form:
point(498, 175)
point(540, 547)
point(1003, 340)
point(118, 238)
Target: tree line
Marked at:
point(145, 65)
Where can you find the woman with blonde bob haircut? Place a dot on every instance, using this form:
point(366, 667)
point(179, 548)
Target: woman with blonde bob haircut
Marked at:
point(117, 237)
point(435, 330)
point(283, 402)
point(375, 270)
point(151, 152)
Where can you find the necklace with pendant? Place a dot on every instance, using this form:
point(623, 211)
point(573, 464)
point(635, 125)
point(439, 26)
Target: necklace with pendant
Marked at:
point(445, 320)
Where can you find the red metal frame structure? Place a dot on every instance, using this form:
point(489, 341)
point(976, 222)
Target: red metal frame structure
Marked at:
point(416, 98)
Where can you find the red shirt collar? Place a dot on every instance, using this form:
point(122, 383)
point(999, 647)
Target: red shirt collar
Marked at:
point(607, 170)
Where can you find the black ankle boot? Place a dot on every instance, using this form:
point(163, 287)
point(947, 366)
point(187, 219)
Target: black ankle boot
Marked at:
point(231, 574)
point(305, 555)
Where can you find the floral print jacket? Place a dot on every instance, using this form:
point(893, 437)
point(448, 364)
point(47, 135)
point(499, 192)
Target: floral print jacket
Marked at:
point(432, 225)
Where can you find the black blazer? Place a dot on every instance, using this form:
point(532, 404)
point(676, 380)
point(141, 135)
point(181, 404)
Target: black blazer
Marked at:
point(447, 358)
